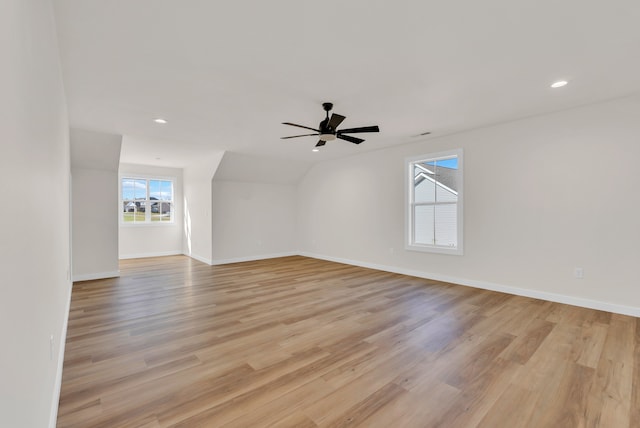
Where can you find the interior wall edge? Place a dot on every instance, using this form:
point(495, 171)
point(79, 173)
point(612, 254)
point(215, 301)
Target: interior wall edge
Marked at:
point(200, 259)
point(53, 418)
point(94, 276)
point(146, 255)
point(254, 258)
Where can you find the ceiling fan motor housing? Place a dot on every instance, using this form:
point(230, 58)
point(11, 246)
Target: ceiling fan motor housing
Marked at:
point(326, 133)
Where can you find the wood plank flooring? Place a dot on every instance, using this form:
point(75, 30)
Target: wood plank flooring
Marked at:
point(298, 342)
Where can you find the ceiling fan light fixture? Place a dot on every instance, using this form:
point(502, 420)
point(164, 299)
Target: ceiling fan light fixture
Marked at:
point(327, 137)
point(315, 149)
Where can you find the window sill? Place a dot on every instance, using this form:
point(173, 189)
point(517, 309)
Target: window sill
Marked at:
point(154, 224)
point(433, 249)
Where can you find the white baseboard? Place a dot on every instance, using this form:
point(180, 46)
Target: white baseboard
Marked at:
point(92, 276)
point(525, 292)
point(254, 258)
point(509, 289)
point(200, 258)
point(145, 255)
point(53, 415)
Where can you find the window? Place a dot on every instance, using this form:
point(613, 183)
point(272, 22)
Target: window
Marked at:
point(146, 200)
point(434, 207)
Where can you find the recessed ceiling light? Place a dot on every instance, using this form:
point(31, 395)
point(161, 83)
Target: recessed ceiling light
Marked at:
point(559, 84)
point(160, 121)
point(315, 149)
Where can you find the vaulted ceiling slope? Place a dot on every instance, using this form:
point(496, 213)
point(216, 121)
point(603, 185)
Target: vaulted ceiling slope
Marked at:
point(226, 74)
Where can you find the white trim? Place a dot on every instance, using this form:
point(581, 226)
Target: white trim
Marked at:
point(149, 224)
point(92, 276)
point(146, 255)
point(200, 258)
point(525, 292)
point(53, 415)
point(254, 258)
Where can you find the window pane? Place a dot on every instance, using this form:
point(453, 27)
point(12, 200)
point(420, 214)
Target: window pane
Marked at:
point(127, 189)
point(161, 211)
point(140, 187)
point(167, 208)
point(134, 189)
point(128, 207)
point(167, 190)
point(424, 184)
point(154, 189)
point(131, 212)
point(446, 225)
point(166, 211)
point(160, 190)
point(447, 178)
point(423, 224)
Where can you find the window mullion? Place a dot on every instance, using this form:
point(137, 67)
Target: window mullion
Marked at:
point(435, 199)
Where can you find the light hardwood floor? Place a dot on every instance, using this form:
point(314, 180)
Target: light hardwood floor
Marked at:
point(298, 342)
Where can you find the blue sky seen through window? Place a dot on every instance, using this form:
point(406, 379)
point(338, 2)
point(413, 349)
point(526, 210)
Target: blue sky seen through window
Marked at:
point(446, 163)
point(160, 189)
point(136, 189)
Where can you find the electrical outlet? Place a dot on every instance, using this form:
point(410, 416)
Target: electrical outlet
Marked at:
point(578, 273)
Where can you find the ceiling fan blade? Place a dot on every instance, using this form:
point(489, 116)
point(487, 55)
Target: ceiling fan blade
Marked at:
point(296, 136)
point(321, 143)
point(358, 130)
point(350, 139)
point(300, 126)
point(335, 121)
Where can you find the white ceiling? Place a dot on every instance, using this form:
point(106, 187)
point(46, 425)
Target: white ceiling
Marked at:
point(226, 74)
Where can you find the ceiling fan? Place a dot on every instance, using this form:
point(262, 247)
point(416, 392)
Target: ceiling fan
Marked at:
point(327, 129)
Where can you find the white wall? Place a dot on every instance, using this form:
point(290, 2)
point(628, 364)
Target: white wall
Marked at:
point(149, 240)
point(94, 170)
point(34, 236)
point(259, 169)
point(254, 207)
point(253, 220)
point(197, 188)
point(95, 223)
point(542, 196)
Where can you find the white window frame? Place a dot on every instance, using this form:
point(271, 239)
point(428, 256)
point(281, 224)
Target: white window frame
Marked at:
point(410, 204)
point(147, 222)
